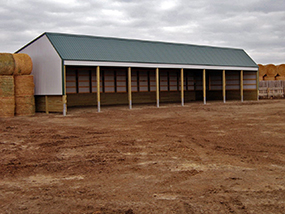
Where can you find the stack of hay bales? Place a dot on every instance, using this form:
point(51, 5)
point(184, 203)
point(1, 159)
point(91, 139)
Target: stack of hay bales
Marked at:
point(7, 95)
point(271, 72)
point(262, 71)
point(281, 72)
point(16, 85)
point(7, 98)
point(24, 85)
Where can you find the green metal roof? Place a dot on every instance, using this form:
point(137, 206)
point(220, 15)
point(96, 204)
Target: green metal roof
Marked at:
point(93, 48)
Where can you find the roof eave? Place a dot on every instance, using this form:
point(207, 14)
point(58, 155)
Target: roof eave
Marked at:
point(30, 42)
point(156, 65)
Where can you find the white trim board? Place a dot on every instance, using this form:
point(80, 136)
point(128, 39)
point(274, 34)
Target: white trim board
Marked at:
point(154, 65)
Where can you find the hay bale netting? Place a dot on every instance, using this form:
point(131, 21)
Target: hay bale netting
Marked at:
point(262, 71)
point(271, 71)
point(23, 64)
point(24, 95)
point(7, 99)
point(7, 64)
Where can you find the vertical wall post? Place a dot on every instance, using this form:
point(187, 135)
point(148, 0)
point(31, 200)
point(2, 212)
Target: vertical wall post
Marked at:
point(204, 86)
point(130, 87)
point(182, 86)
point(64, 99)
point(46, 101)
point(257, 85)
point(241, 85)
point(157, 87)
point(224, 86)
point(98, 88)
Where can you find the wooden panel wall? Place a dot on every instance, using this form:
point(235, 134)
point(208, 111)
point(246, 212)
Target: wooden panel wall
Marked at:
point(249, 80)
point(114, 98)
point(82, 85)
point(55, 103)
point(250, 95)
point(89, 99)
point(232, 80)
point(144, 97)
point(189, 96)
point(214, 95)
point(170, 96)
point(215, 81)
point(233, 95)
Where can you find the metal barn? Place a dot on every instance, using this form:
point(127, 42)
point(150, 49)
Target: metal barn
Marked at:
point(78, 70)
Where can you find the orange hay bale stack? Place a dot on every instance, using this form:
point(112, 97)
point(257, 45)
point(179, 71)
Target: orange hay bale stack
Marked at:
point(7, 106)
point(24, 85)
point(23, 64)
point(7, 64)
point(262, 70)
point(6, 86)
point(24, 95)
point(7, 99)
point(280, 78)
point(271, 71)
point(281, 70)
point(269, 78)
point(25, 105)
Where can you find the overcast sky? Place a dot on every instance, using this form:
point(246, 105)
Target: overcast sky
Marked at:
point(257, 26)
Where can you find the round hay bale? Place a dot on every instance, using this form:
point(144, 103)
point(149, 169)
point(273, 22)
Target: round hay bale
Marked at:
point(271, 70)
point(25, 105)
point(7, 64)
point(269, 78)
point(280, 77)
point(6, 86)
point(23, 64)
point(262, 70)
point(24, 85)
point(7, 106)
point(281, 70)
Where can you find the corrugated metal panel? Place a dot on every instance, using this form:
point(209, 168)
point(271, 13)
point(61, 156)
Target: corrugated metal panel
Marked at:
point(47, 66)
point(91, 48)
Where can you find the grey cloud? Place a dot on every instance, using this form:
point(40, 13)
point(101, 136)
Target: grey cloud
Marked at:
point(256, 26)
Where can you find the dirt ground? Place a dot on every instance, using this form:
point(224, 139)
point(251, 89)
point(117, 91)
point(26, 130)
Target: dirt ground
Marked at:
point(214, 158)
